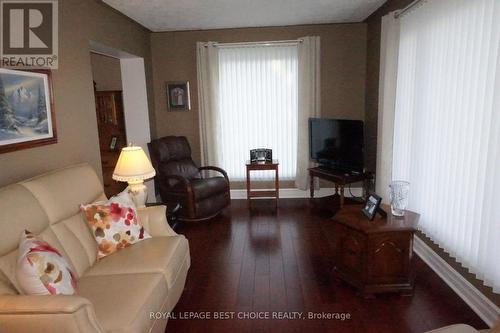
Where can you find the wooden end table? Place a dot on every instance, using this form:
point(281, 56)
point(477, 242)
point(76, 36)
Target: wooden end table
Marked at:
point(374, 256)
point(274, 165)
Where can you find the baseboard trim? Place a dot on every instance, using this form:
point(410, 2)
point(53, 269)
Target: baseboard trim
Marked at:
point(296, 193)
point(479, 303)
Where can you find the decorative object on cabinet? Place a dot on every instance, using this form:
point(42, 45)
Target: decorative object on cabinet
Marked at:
point(372, 206)
point(178, 97)
point(112, 143)
point(399, 196)
point(27, 116)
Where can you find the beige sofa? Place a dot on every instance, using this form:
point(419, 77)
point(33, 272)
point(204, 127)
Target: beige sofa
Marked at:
point(117, 293)
point(458, 328)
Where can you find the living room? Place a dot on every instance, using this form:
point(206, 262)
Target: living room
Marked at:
point(268, 142)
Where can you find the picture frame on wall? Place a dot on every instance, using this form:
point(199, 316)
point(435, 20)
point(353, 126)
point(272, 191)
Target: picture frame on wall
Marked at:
point(113, 142)
point(27, 116)
point(178, 96)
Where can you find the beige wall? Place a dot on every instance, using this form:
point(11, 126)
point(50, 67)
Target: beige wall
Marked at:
point(79, 22)
point(343, 57)
point(106, 72)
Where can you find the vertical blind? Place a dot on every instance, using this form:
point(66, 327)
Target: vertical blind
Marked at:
point(258, 106)
point(446, 130)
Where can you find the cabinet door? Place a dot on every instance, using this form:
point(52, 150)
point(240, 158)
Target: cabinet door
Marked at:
point(350, 251)
point(389, 258)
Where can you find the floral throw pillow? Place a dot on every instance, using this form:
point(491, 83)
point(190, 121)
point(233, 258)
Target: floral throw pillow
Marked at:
point(41, 269)
point(114, 224)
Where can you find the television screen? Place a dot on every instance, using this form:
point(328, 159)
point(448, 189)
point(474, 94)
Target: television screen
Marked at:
point(337, 144)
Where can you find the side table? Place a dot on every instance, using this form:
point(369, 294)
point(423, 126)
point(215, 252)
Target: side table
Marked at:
point(274, 165)
point(374, 256)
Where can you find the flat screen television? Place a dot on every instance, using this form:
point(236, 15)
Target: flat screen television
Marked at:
point(337, 144)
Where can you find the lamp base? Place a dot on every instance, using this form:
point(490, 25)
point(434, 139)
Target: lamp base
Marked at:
point(139, 193)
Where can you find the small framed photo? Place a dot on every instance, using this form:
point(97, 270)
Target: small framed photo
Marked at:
point(178, 97)
point(372, 204)
point(112, 143)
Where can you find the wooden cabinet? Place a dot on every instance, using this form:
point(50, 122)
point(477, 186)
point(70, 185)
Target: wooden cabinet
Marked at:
point(374, 256)
point(112, 137)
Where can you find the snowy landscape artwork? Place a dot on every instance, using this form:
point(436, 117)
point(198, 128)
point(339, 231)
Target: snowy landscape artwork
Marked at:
point(25, 109)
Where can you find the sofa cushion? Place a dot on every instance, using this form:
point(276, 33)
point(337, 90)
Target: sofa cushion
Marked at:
point(207, 187)
point(74, 236)
point(59, 194)
point(123, 302)
point(19, 210)
point(164, 255)
point(62, 191)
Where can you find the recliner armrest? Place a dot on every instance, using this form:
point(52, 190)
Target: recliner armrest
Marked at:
point(214, 168)
point(47, 313)
point(154, 220)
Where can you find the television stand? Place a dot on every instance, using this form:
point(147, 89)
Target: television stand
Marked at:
point(340, 179)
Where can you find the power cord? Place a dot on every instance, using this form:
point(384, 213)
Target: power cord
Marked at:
point(352, 195)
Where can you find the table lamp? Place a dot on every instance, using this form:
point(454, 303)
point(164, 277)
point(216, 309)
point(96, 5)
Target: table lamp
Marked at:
point(134, 167)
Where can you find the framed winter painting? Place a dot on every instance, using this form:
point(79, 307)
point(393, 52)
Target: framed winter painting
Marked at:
point(26, 109)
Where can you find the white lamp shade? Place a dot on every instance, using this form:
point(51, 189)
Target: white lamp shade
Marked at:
point(133, 165)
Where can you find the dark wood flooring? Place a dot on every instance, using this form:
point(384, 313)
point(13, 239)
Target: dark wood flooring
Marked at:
point(271, 262)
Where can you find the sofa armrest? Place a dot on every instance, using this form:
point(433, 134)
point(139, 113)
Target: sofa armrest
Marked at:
point(50, 313)
point(154, 220)
point(458, 328)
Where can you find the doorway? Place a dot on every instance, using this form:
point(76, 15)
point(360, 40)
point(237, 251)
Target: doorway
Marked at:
point(134, 101)
point(106, 74)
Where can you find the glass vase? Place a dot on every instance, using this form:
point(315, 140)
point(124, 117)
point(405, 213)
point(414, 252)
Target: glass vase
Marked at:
point(399, 196)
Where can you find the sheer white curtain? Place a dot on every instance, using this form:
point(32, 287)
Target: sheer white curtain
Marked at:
point(207, 58)
point(257, 106)
point(309, 99)
point(447, 124)
point(389, 47)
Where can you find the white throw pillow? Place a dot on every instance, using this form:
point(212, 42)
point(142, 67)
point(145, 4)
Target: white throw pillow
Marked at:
point(41, 269)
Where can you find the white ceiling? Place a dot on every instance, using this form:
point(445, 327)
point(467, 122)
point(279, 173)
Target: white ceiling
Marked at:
point(169, 15)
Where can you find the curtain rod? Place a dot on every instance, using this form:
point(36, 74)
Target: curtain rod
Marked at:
point(265, 43)
point(408, 8)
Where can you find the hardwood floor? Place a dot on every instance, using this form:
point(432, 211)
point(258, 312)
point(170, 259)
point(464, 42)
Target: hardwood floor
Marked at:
point(267, 262)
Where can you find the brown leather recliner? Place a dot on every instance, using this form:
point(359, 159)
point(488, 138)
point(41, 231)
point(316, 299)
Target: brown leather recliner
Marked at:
point(179, 180)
